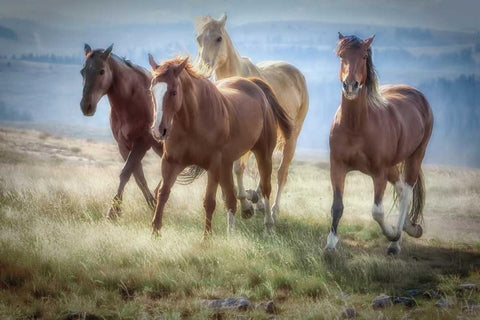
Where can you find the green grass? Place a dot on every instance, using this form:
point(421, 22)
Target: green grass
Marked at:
point(61, 259)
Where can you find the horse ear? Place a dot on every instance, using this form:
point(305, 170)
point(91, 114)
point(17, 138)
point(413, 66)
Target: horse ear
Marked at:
point(223, 19)
point(368, 42)
point(87, 49)
point(152, 62)
point(181, 66)
point(340, 36)
point(107, 52)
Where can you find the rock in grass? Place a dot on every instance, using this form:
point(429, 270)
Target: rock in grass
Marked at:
point(268, 306)
point(381, 302)
point(239, 303)
point(443, 303)
point(413, 292)
point(349, 313)
point(406, 301)
point(468, 286)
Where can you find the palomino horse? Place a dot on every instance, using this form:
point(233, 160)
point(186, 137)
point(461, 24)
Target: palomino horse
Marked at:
point(377, 131)
point(211, 125)
point(132, 113)
point(218, 53)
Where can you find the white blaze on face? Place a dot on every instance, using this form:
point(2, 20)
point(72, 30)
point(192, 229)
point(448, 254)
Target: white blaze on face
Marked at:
point(158, 90)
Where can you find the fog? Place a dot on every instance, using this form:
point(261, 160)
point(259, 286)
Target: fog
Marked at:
point(40, 61)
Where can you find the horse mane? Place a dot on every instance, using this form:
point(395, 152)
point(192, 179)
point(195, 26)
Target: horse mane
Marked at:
point(374, 97)
point(190, 68)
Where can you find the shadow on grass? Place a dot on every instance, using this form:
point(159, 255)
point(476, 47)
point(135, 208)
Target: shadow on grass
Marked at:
point(361, 264)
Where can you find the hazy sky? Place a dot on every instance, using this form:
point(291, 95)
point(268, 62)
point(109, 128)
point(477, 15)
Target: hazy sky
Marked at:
point(438, 14)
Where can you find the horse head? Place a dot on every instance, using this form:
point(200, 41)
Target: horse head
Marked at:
point(97, 78)
point(213, 40)
point(167, 93)
point(355, 56)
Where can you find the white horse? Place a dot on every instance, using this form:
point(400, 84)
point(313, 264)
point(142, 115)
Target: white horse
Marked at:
point(216, 51)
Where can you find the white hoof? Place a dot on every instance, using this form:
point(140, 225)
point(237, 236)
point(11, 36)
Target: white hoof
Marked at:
point(332, 241)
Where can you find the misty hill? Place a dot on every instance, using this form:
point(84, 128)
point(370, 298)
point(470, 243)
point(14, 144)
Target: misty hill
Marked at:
point(445, 65)
point(6, 33)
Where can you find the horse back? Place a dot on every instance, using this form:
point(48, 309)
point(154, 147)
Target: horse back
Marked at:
point(289, 85)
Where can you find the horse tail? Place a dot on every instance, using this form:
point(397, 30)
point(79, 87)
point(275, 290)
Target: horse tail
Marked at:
point(415, 214)
point(284, 121)
point(190, 174)
point(418, 202)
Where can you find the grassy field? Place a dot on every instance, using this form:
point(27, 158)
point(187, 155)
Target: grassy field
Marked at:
point(60, 258)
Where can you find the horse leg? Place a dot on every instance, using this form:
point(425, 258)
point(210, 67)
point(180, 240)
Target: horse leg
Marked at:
point(209, 201)
point(379, 185)
point(245, 204)
point(142, 184)
point(226, 182)
point(337, 175)
point(170, 171)
point(264, 163)
point(134, 158)
point(288, 153)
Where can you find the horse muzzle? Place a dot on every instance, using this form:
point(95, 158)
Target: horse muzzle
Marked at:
point(88, 108)
point(351, 89)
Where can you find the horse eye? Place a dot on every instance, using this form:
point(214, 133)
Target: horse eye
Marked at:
point(173, 93)
point(102, 72)
point(365, 56)
point(219, 39)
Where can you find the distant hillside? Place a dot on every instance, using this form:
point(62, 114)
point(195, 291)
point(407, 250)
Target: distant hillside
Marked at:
point(7, 33)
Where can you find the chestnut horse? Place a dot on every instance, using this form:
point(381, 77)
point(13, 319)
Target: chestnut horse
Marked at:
point(131, 114)
point(217, 52)
point(382, 132)
point(212, 125)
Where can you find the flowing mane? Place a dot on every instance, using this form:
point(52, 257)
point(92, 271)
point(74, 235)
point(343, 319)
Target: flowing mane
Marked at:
point(191, 69)
point(374, 97)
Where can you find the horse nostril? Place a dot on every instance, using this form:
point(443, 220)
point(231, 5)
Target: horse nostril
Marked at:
point(355, 85)
point(345, 86)
point(164, 133)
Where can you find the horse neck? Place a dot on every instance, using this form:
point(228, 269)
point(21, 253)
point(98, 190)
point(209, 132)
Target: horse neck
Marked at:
point(354, 112)
point(125, 80)
point(233, 64)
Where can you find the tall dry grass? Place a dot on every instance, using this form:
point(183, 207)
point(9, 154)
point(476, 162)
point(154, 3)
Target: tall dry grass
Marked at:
point(60, 257)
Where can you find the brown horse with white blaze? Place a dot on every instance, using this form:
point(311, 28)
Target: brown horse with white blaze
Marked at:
point(132, 113)
point(212, 125)
point(378, 131)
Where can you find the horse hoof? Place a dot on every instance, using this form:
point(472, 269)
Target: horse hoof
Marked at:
point(329, 250)
point(114, 213)
point(248, 213)
point(252, 195)
point(415, 231)
point(393, 251)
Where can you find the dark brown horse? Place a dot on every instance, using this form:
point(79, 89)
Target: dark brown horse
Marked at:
point(380, 132)
point(212, 125)
point(132, 113)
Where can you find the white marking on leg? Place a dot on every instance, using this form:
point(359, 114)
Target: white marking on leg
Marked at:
point(332, 241)
point(268, 219)
point(158, 91)
point(379, 216)
point(276, 204)
point(406, 197)
point(230, 221)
